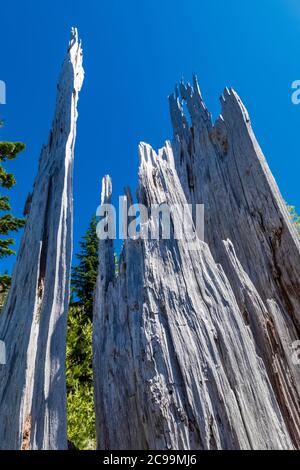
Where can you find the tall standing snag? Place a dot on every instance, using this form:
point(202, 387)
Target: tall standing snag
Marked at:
point(248, 229)
point(175, 365)
point(193, 349)
point(33, 323)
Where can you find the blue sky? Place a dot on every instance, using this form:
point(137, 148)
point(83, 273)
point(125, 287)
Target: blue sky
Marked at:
point(134, 52)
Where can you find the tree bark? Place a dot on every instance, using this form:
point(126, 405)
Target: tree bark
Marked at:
point(33, 323)
point(176, 365)
point(230, 176)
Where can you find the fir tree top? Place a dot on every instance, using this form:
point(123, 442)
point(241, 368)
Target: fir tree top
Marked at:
point(84, 275)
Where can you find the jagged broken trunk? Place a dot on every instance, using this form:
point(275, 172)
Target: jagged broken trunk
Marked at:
point(193, 347)
point(33, 323)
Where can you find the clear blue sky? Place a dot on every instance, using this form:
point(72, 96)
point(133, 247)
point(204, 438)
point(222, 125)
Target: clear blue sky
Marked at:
point(134, 52)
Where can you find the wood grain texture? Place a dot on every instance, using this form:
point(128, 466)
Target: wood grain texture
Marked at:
point(175, 364)
point(243, 205)
point(33, 323)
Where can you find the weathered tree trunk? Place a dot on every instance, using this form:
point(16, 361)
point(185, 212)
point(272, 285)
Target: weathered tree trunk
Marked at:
point(176, 365)
point(222, 167)
point(33, 323)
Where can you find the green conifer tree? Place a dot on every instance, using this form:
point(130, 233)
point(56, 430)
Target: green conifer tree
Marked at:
point(81, 414)
point(80, 395)
point(8, 222)
point(84, 275)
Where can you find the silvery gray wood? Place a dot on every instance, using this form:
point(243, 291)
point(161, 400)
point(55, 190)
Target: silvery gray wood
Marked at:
point(33, 323)
point(175, 364)
point(222, 166)
point(192, 348)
